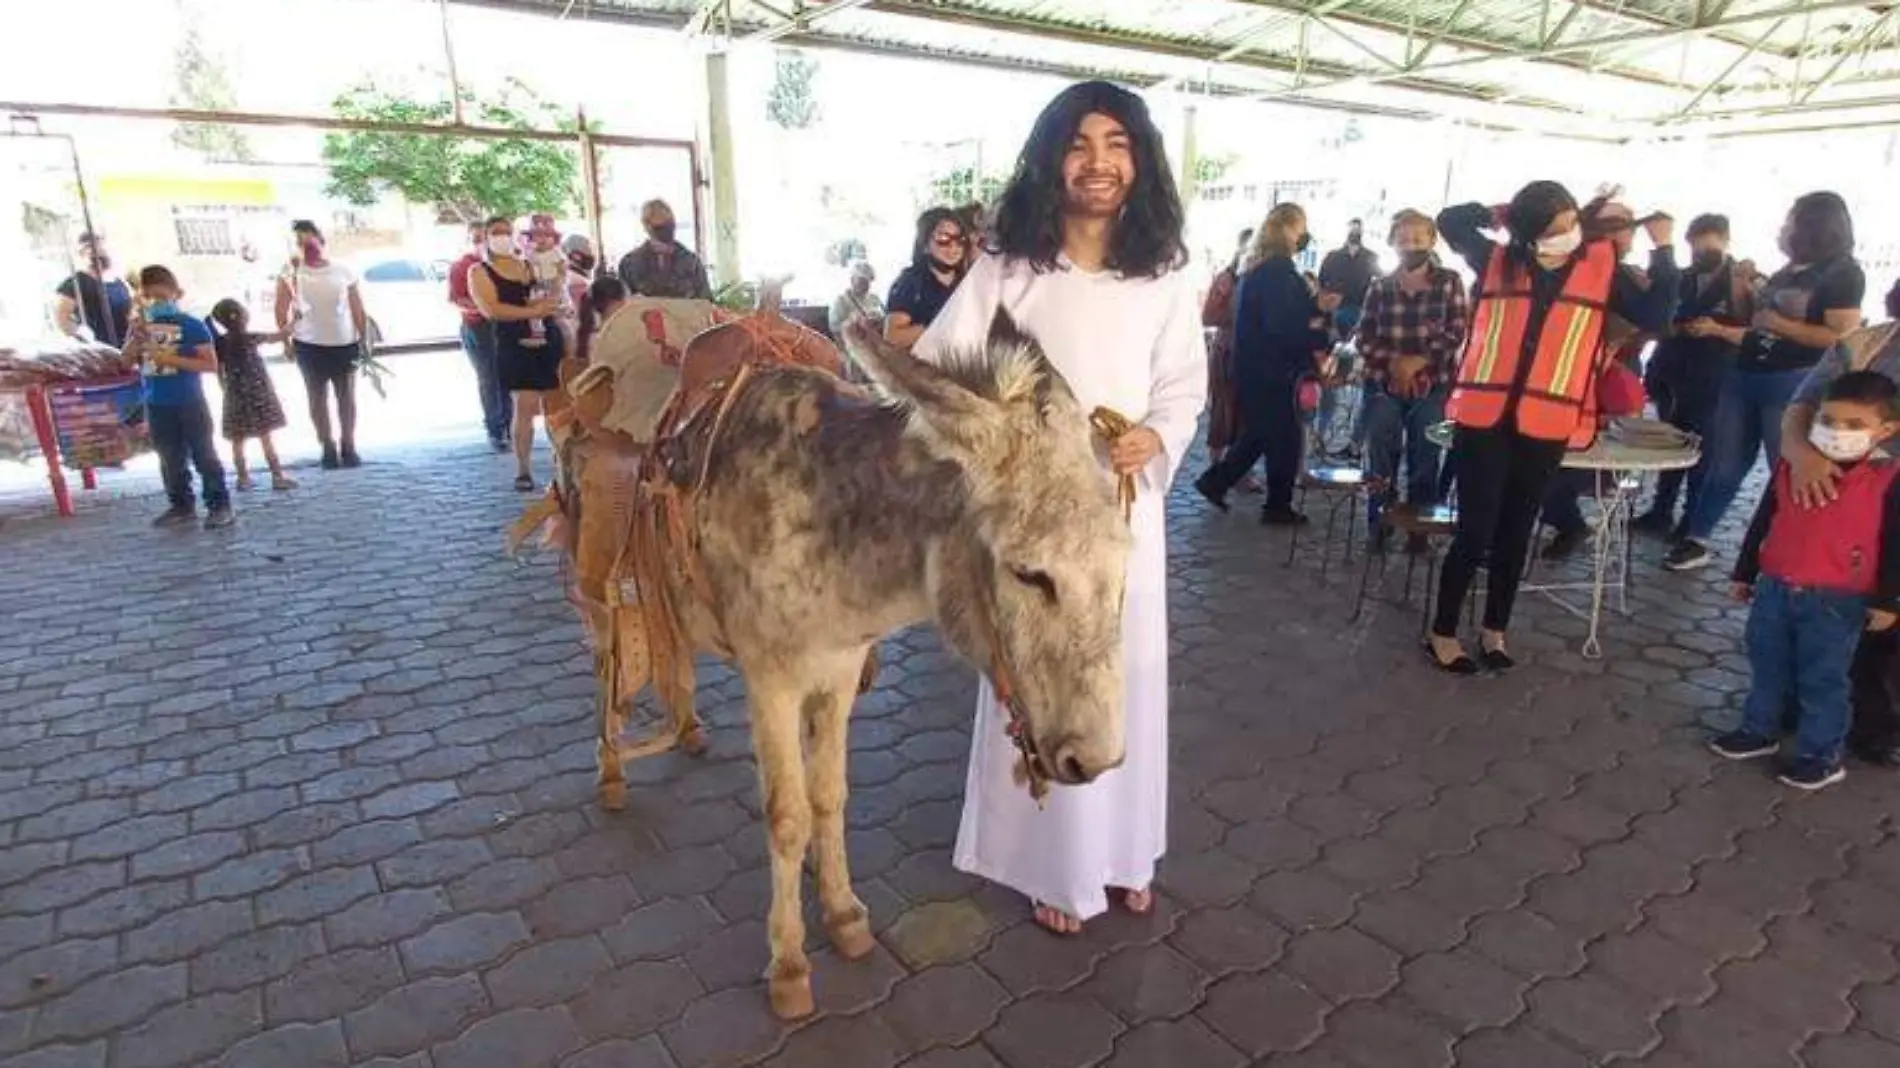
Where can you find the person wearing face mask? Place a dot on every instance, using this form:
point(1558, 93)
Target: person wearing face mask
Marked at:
point(1805, 308)
point(478, 341)
point(174, 352)
point(503, 287)
point(1410, 336)
point(1685, 371)
point(921, 290)
point(1349, 271)
point(320, 308)
point(1280, 337)
point(1526, 385)
point(1817, 579)
point(663, 267)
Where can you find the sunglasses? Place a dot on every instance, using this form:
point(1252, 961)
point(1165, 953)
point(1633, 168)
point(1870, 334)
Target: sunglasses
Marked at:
point(946, 240)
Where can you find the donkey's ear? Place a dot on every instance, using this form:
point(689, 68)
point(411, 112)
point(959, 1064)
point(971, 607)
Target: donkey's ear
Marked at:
point(935, 395)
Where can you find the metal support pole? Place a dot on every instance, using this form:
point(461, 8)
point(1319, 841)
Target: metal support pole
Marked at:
point(725, 192)
point(590, 183)
point(448, 52)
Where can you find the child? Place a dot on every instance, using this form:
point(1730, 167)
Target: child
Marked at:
point(251, 409)
point(1818, 577)
point(173, 349)
point(549, 265)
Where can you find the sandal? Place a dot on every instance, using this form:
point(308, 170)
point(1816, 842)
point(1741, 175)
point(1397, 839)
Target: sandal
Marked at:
point(1055, 921)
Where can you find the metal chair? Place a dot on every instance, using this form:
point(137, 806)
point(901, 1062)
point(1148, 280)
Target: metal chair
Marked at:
point(1348, 490)
point(1436, 526)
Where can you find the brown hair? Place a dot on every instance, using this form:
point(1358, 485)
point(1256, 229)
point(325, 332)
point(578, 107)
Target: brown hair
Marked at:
point(1273, 238)
point(157, 276)
point(1408, 217)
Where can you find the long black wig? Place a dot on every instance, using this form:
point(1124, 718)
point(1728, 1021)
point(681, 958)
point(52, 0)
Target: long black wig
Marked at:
point(1147, 236)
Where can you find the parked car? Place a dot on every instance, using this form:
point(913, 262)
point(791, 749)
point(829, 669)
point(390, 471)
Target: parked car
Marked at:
point(407, 299)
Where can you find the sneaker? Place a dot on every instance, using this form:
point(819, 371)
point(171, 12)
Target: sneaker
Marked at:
point(330, 462)
point(1654, 521)
point(1688, 555)
point(1741, 745)
point(1811, 774)
point(220, 517)
point(1565, 544)
point(176, 516)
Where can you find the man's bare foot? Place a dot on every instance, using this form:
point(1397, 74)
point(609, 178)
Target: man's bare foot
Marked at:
point(1056, 921)
point(1140, 902)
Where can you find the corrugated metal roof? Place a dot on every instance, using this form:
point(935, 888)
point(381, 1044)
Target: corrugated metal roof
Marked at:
point(1623, 68)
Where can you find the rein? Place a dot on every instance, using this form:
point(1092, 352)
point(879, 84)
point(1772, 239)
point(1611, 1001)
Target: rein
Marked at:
point(1030, 770)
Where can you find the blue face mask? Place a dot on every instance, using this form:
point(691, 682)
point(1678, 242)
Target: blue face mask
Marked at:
point(162, 307)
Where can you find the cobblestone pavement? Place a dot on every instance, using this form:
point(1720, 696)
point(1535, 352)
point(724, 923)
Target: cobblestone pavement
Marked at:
point(317, 792)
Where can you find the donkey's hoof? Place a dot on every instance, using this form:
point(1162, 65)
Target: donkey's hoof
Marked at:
point(613, 796)
point(693, 742)
point(852, 937)
point(791, 996)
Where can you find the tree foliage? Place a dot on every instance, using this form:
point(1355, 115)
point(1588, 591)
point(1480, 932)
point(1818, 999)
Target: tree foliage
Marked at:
point(200, 82)
point(465, 178)
point(960, 186)
point(792, 102)
point(1209, 170)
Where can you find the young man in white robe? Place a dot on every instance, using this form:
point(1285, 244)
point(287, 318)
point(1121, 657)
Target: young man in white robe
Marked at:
point(1086, 255)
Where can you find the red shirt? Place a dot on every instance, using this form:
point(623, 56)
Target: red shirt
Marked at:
point(458, 289)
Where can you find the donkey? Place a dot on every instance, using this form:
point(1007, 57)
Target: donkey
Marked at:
point(968, 494)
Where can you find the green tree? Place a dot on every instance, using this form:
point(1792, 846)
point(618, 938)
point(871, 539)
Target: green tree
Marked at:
point(961, 186)
point(200, 82)
point(466, 179)
point(792, 102)
point(1211, 169)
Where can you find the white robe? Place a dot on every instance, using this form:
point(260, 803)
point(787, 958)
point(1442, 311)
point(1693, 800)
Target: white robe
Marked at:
point(1134, 345)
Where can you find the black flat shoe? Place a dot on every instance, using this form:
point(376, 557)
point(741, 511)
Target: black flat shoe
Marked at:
point(1218, 500)
point(1281, 517)
point(1462, 665)
point(1496, 660)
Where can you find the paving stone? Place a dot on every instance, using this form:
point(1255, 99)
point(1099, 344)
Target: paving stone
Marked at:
point(949, 1005)
point(503, 884)
point(939, 933)
point(728, 1028)
point(191, 1033)
point(409, 800)
point(331, 986)
point(118, 910)
point(1650, 964)
point(1463, 990)
point(1595, 1015)
point(517, 1038)
point(256, 958)
point(1517, 1047)
point(385, 918)
point(319, 893)
point(1175, 1042)
point(966, 1057)
point(63, 886)
point(244, 809)
point(635, 999)
point(185, 856)
point(1528, 944)
point(580, 906)
point(1388, 1034)
point(1143, 983)
point(249, 874)
point(1343, 964)
point(110, 1002)
point(291, 1046)
point(187, 931)
point(647, 1052)
point(432, 863)
point(1266, 1013)
point(660, 930)
point(838, 1040)
point(1229, 939)
point(87, 1055)
point(548, 972)
point(1851, 1050)
point(415, 1016)
point(464, 943)
point(1054, 1030)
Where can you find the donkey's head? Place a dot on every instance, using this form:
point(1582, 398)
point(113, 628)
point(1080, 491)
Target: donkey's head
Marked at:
point(1029, 584)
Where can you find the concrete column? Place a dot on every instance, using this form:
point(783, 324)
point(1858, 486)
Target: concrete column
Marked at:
point(724, 188)
point(1190, 157)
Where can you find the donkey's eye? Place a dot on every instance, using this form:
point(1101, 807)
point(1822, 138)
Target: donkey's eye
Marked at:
point(1038, 579)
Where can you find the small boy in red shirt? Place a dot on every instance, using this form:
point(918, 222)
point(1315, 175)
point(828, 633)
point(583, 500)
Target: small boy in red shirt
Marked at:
point(1818, 578)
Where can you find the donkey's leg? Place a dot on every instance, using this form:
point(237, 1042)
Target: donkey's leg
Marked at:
point(827, 716)
point(777, 747)
point(692, 732)
point(611, 783)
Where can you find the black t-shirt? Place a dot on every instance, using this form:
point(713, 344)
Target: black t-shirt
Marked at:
point(918, 294)
point(1804, 294)
point(96, 302)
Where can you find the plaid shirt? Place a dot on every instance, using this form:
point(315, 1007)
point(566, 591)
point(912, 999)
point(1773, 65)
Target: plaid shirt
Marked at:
point(1430, 323)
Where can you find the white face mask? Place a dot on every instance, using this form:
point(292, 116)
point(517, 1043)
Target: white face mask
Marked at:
point(1562, 245)
point(1841, 446)
point(501, 246)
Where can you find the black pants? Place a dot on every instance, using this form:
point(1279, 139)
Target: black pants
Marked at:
point(1876, 678)
point(330, 369)
point(1270, 428)
point(1686, 406)
point(182, 437)
point(1502, 478)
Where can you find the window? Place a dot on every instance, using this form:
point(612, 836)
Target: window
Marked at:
point(397, 271)
point(199, 236)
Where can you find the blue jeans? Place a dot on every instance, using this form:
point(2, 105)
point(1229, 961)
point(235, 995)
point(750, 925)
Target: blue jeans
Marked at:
point(1747, 420)
point(1396, 427)
point(478, 340)
point(1801, 643)
point(181, 435)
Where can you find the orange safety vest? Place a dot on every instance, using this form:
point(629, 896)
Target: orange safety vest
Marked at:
point(1558, 398)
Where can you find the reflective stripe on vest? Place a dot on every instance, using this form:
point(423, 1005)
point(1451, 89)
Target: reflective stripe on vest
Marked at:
point(1555, 394)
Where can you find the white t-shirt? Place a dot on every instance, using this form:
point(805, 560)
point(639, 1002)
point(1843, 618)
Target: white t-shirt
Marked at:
point(323, 305)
